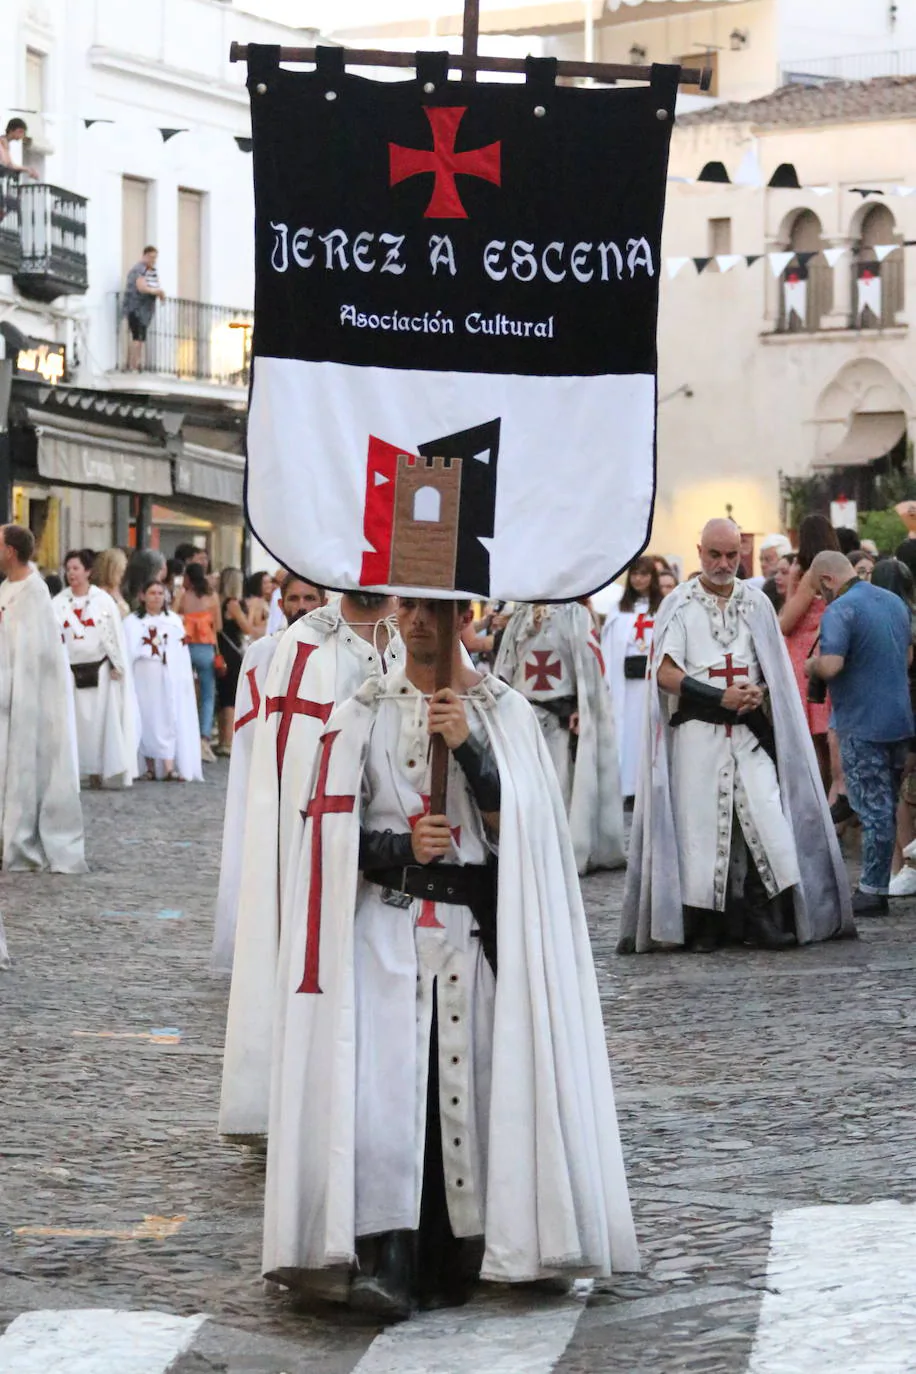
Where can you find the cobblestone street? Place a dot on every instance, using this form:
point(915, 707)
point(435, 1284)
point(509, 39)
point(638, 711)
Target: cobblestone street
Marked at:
point(749, 1085)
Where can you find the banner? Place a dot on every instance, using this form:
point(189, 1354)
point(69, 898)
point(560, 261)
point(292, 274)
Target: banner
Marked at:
point(454, 381)
point(795, 293)
point(868, 289)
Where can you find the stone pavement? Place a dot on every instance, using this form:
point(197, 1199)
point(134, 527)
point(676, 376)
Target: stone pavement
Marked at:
point(749, 1085)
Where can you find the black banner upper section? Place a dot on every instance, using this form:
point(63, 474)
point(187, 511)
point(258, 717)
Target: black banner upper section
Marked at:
point(464, 227)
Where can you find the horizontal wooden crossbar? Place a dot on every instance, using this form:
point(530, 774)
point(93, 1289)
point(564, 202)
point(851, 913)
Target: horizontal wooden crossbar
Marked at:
point(598, 71)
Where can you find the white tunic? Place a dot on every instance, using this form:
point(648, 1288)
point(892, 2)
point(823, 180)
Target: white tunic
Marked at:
point(628, 634)
point(164, 684)
point(718, 771)
point(399, 955)
point(106, 715)
point(545, 675)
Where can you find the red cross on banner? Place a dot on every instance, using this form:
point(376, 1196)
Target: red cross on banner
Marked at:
point(151, 640)
point(428, 919)
point(641, 624)
point(293, 705)
point(255, 693)
point(80, 612)
point(444, 162)
point(594, 643)
point(731, 674)
point(322, 804)
point(542, 670)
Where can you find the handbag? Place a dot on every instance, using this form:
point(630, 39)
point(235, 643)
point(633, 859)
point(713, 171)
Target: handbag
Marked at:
point(220, 666)
point(86, 674)
point(636, 667)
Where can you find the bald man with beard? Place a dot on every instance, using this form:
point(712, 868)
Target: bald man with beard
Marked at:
point(732, 838)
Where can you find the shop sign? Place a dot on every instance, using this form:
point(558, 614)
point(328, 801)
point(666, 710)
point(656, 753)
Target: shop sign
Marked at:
point(44, 361)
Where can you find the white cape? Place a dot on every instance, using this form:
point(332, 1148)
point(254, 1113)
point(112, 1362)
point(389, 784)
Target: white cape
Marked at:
point(556, 1193)
point(248, 698)
point(596, 802)
point(107, 715)
point(42, 819)
point(628, 695)
point(652, 906)
point(340, 663)
point(164, 687)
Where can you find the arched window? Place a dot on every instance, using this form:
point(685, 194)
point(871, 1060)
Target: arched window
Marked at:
point(806, 242)
point(879, 230)
point(714, 171)
point(427, 505)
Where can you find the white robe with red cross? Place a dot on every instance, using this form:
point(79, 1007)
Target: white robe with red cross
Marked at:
point(548, 653)
point(531, 1148)
point(628, 634)
point(319, 662)
point(107, 719)
point(248, 697)
point(164, 684)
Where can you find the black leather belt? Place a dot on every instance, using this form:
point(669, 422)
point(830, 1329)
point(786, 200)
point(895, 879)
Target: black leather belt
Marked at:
point(756, 721)
point(455, 884)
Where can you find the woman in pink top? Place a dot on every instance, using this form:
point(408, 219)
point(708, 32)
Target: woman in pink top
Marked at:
point(800, 622)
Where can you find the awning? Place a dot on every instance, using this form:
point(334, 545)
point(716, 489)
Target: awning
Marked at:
point(92, 461)
point(210, 474)
point(871, 434)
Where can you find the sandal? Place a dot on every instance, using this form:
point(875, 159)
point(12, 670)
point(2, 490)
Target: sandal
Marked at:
point(173, 777)
point(149, 775)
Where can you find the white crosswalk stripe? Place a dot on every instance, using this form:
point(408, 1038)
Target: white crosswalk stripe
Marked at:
point(840, 1287)
point(95, 1341)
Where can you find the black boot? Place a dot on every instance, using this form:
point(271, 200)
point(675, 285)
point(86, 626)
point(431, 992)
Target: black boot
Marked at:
point(386, 1286)
point(702, 930)
point(763, 930)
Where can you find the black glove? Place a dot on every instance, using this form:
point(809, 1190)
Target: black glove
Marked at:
point(478, 765)
point(385, 849)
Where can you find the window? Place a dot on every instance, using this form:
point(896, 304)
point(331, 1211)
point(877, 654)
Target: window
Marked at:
point(719, 237)
point(35, 96)
point(134, 221)
point(810, 268)
point(698, 58)
point(190, 229)
point(879, 229)
point(427, 505)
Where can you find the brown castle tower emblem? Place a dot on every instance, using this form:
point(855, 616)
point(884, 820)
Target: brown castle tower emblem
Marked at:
point(424, 545)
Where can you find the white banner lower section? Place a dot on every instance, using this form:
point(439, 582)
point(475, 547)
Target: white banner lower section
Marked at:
point(574, 485)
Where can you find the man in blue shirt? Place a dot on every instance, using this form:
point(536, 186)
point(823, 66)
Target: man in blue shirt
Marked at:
point(865, 652)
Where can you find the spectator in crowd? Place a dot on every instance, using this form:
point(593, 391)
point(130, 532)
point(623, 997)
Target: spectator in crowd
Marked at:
point(773, 547)
point(865, 653)
point(164, 683)
point(54, 583)
point(847, 539)
point(16, 131)
point(626, 642)
point(863, 563)
point(108, 573)
point(894, 576)
point(667, 581)
point(174, 581)
point(800, 620)
point(276, 620)
point(141, 292)
point(776, 586)
point(143, 566)
point(258, 591)
point(231, 641)
point(200, 612)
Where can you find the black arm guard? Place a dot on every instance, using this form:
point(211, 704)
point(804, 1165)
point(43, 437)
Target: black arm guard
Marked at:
point(384, 849)
point(703, 693)
point(479, 767)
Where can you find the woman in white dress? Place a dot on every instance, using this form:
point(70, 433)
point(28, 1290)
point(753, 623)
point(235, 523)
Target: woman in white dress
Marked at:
point(104, 701)
point(164, 683)
point(626, 642)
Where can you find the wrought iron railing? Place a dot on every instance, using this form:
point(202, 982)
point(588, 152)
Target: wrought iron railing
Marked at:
point(859, 66)
point(190, 340)
point(53, 241)
point(9, 220)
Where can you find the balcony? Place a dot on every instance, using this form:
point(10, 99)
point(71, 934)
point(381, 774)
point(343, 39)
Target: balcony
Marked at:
point(860, 66)
point(191, 341)
point(42, 238)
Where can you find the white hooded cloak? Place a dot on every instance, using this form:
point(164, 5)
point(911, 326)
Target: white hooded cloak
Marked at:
point(106, 715)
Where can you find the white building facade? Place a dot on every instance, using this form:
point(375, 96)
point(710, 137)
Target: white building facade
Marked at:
point(139, 132)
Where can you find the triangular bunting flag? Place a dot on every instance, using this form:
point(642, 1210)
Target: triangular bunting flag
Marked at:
point(864, 191)
point(749, 173)
point(903, 191)
point(88, 123)
point(243, 143)
point(833, 255)
point(684, 181)
point(818, 190)
point(779, 262)
point(751, 258)
point(170, 133)
point(715, 171)
point(701, 264)
point(674, 266)
point(726, 261)
point(805, 258)
point(785, 178)
point(881, 250)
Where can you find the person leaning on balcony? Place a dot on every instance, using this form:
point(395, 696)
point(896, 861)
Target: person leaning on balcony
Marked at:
point(140, 295)
point(16, 131)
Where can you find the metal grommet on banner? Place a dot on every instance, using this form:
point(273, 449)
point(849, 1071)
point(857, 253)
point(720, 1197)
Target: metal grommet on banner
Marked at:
point(661, 114)
point(663, 85)
point(432, 71)
point(329, 64)
point(261, 88)
point(330, 95)
point(263, 65)
point(540, 111)
point(540, 79)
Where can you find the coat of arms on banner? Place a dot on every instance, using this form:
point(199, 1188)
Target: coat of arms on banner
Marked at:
point(454, 382)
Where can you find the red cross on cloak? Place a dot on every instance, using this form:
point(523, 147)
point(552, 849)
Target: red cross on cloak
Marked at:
point(428, 909)
point(642, 623)
point(542, 670)
point(151, 641)
point(80, 612)
point(255, 693)
point(444, 162)
point(293, 705)
point(594, 643)
point(322, 804)
point(731, 675)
